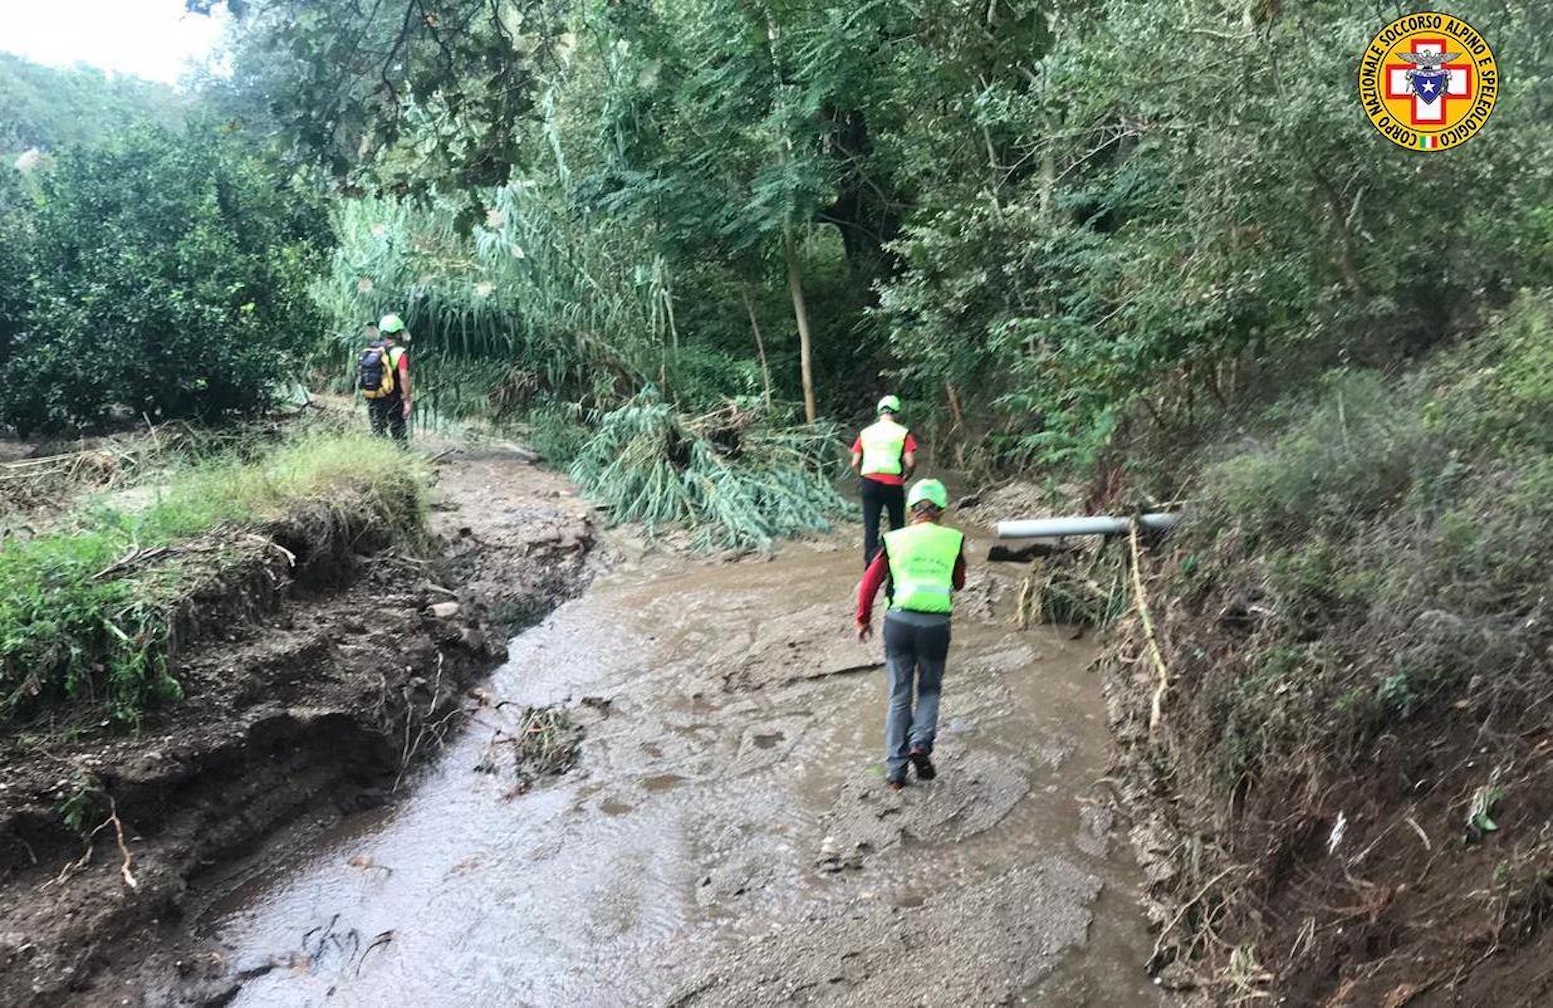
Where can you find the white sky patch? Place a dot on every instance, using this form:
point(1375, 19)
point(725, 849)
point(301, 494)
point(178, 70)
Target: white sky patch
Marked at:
point(155, 39)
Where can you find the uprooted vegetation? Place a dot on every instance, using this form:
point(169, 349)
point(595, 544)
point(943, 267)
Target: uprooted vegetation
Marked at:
point(538, 742)
point(49, 479)
point(1352, 765)
point(727, 476)
point(92, 611)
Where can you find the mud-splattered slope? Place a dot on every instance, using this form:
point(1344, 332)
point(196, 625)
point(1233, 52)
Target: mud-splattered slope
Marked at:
point(725, 838)
point(306, 701)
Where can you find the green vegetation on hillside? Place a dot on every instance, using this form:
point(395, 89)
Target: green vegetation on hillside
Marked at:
point(1356, 636)
point(53, 109)
point(1383, 558)
point(1050, 245)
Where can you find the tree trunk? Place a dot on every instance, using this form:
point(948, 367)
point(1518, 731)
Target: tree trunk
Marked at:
point(954, 407)
point(805, 344)
point(760, 344)
point(959, 425)
point(867, 216)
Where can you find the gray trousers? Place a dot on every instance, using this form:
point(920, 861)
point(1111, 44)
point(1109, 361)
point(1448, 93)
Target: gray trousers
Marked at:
point(916, 646)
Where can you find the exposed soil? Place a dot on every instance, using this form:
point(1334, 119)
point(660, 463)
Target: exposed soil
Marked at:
point(311, 687)
point(1419, 879)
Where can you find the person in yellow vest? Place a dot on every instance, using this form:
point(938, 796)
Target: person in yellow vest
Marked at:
point(884, 455)
point(384, 370)
point(925, 561)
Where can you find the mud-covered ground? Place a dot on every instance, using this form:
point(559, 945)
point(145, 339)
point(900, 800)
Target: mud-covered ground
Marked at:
point(724, 838)
point(311, 689)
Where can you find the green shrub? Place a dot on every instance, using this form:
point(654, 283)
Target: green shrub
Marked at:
point(1495, 394)
point(168, 281)
point(1350, 453)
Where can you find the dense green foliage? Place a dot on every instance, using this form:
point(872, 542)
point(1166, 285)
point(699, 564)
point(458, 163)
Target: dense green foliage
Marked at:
point(54, 109)
point(74, 627)
point(1046, 240)
point(396, 99)
point(1151, 235)
point(166, 277)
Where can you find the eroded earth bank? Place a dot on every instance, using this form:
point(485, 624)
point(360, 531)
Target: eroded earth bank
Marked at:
point(316, 672)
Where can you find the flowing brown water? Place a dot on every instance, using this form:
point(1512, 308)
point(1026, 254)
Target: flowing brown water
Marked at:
point(727, 813)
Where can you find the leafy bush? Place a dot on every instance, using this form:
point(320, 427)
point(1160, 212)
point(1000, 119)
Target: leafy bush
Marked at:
point(16, 236)
point(1352, 449)
point(169, 281)
point(72, 629)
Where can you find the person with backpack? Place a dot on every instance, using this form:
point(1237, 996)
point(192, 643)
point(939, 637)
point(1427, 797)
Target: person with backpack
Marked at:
point(925, 561)
point(884, 456)
point(383, 371)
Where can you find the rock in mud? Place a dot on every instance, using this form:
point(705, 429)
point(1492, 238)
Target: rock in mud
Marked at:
point(1094, 831)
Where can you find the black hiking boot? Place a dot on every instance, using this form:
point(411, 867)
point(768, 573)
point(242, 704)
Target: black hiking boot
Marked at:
point(923, 764)
point(894, 782)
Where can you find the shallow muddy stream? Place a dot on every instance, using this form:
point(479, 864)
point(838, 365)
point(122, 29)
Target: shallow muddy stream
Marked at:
point(726, 837)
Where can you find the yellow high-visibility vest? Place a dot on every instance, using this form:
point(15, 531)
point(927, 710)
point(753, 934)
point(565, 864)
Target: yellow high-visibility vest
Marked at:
point(922, 559)
point(884, 449)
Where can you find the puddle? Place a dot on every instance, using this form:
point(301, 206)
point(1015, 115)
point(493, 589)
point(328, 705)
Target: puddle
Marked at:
point(742, 715)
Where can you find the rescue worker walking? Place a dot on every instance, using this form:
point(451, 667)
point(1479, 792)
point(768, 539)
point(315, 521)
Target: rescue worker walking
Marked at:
point(384, 370)
point(926, 563)
point(884, 455)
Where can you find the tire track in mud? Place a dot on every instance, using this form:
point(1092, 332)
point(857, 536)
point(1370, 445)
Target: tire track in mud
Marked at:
point(686, 859)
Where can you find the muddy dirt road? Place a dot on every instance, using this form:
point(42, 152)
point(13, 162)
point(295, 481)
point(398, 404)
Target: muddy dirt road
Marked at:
point(725, 838)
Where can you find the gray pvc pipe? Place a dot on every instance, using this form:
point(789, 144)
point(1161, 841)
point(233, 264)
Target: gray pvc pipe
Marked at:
point(1046, 528)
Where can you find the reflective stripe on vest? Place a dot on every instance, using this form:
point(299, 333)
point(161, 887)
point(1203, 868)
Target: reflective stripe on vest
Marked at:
point(922, 559)
point(884, 448)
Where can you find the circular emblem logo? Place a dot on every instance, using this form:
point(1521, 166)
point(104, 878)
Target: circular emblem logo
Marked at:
point(1428, 81)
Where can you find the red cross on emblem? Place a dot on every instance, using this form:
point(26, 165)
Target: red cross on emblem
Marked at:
point(1429, 113)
